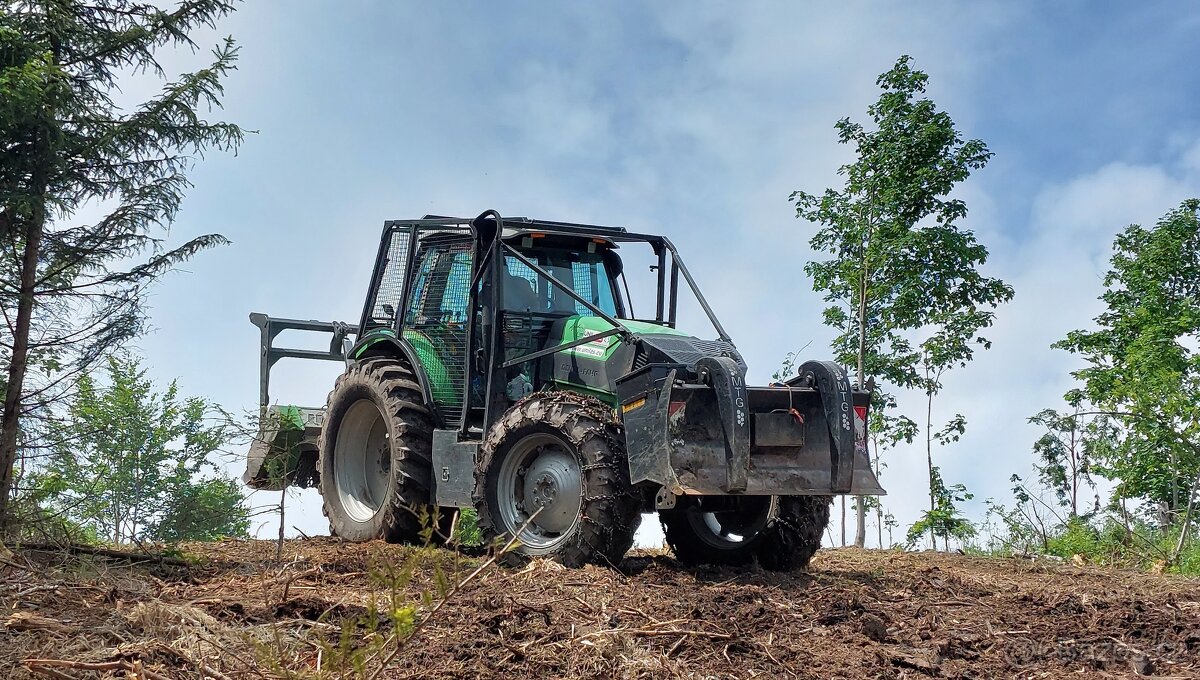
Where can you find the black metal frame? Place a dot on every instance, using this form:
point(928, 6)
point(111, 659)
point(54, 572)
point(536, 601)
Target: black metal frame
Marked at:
point(487, 232)
point(668, 291)
point(269, 327)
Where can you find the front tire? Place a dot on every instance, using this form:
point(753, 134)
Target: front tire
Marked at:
point(375, 453)
point(564, 454)
point(781, 532)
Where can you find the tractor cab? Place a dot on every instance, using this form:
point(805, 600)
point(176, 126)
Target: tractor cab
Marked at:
point(548, 281)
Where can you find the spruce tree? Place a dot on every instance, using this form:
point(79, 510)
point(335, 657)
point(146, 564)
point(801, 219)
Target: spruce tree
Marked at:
point(68, 291)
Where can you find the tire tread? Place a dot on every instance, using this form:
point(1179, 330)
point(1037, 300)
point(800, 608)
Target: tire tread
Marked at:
point(610, 512)
point(788, 542)
point(400, 399)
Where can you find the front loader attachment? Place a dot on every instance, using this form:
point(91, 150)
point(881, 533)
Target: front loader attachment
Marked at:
point(713, 435)
point(284, 451)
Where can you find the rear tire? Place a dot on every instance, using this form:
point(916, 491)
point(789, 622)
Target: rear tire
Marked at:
point(375, 456)
point(563, 453)
point(781, 532)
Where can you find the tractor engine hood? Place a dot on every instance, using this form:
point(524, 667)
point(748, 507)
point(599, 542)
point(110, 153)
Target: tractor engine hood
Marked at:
point(597, 365)
point(672, 348)
point(655, 343)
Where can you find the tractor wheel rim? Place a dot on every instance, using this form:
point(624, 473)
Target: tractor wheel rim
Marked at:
point(362, 461)
point(540, 472)
point(732, 529)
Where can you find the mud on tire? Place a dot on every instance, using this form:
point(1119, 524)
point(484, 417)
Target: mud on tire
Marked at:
point(608, 512)
point(386, 494)
point(789, 538)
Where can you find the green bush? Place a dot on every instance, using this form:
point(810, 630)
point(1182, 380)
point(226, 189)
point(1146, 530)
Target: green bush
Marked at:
point(1189, 559)
point(1099, 540)
point(466, 532)
point(1077, 537)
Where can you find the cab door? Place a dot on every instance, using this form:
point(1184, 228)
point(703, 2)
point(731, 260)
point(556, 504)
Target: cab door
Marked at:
point(435, 319)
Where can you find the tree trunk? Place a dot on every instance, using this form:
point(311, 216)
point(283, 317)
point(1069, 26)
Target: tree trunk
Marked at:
point(878, 505)
point(879, 524)
point(860, 534)
point(279, 543)
point(929, 463)
point(1074, 458)
point(1125, 519)
point(116, 511)
point(10, 420)
point(843, 521)
point(1187, 523)
point(1173, 511)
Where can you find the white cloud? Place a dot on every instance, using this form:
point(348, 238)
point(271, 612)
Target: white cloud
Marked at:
point(1191, 161)
point(1117, 194)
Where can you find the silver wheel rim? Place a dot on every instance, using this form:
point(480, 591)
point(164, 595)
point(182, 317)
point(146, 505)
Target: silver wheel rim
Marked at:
point(362, 461)
point(540, 471)
point(732, 529)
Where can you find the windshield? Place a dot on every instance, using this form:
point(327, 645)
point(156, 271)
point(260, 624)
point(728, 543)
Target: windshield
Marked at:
point(584, 273)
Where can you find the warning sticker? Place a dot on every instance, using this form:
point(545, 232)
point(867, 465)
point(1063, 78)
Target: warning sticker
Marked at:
point(860, 429)
point(596, 348)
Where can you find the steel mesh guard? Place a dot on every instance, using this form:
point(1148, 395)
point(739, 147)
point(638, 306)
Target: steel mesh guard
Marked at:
point(436, 323)
point(390, 288)
point(582, 282)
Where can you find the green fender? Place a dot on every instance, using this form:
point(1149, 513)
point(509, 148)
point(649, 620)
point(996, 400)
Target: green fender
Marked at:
point(419, 351)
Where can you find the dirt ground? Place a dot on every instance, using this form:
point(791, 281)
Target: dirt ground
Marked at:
point(234, 612)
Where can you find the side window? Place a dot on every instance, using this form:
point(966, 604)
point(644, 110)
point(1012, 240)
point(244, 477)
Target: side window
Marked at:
point(516, 268)
point(439, 292)
point(388, 288)
point(435, 324)
point(455, 294)
point(592, 284)
point(420, 286)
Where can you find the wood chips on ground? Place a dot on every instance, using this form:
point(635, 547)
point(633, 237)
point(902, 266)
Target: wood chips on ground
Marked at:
point(236, 613)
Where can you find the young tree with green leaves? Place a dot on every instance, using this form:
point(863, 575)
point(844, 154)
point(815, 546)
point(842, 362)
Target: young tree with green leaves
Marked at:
point(886, 431)
point(133, 463)
point(896, 252)
point(1066, 450)
point(69, 291)
point(944, 519)
point(941, 519)
point(1143, 365)
point(962, 303)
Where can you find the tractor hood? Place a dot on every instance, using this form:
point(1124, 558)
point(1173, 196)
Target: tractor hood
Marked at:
point(594, 367)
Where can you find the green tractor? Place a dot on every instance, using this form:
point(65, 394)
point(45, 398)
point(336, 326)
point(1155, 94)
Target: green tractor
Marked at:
point(497, 366)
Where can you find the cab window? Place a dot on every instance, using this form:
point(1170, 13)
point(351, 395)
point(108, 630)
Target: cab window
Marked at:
point(584, 273)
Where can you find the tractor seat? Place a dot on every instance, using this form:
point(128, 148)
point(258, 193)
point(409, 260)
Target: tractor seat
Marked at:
point(518, 294)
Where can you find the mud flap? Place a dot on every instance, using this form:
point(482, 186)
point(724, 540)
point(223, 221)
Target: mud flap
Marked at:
point(646, 411)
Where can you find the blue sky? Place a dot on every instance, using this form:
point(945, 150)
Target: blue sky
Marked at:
point(693, 120)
